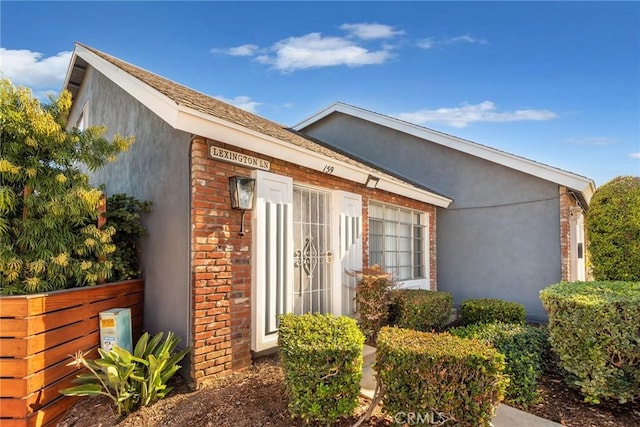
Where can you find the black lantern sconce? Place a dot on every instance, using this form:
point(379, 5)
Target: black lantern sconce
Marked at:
point(242, 190)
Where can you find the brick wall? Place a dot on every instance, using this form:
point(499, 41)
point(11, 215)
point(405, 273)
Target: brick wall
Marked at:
point(221, 270)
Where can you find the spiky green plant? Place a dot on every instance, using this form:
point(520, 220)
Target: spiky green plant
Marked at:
point(130, 380)
point(49, 237)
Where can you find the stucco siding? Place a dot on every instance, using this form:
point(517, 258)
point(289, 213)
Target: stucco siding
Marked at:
point(499, 238)
point(155, 168)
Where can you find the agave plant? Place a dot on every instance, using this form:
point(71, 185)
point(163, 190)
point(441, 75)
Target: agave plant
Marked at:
point(130, 380)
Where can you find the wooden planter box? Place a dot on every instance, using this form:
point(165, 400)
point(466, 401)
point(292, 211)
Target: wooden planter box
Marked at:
point(39, 332)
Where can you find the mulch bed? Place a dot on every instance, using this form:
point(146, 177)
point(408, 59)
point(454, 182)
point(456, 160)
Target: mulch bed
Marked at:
point(256, 397)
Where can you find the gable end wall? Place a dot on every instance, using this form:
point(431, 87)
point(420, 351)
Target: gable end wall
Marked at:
point(500, 236)
point(156, 168)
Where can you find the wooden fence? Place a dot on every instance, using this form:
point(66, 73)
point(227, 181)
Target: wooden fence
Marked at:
point(39, 332)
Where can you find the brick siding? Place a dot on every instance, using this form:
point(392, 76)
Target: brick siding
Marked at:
point(221, 270)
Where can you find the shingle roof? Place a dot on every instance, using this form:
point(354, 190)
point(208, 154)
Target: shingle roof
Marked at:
point(206, 104)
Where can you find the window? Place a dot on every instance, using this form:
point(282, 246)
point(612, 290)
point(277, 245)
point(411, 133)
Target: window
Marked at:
point(397, 241)
point(81, 123)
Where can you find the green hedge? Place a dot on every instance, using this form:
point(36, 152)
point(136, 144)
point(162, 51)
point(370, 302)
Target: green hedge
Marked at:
point(613, 230)
point(595, 331)
point(524, 348)
point(322, 361)
point(426, 373)
point(419, 309)
point(488, 310)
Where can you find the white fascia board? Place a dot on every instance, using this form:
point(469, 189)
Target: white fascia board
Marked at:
point(335, 107)
point(69, 69)
point(585, 185)
point(159, 103)
point(198, 123)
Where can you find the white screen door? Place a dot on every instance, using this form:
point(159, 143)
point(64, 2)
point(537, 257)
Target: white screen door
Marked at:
point(312, 255)
point(272, 276)
point(349, 236)
point(578, 268)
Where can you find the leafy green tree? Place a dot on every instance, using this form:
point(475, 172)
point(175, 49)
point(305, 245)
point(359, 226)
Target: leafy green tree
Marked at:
point(123, 213)
point(613, 229)
point(49, 237)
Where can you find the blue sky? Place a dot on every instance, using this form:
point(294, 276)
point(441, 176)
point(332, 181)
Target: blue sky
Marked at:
point(556, 82)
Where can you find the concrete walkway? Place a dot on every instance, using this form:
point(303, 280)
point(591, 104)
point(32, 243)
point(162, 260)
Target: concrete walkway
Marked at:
point(506, 416)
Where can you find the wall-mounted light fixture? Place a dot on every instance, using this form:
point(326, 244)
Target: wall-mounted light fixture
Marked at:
point(372, 181)
point(242, 191)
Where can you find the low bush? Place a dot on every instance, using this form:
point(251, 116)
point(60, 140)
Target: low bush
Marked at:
point(489, 310)
point(422, 310)
point(594, 329)
point(524, 348)
point(130, 380)
point(373, 298)
point(458, 379)
point(322, 361)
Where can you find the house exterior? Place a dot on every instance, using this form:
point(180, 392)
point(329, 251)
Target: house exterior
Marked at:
point(218, 276)
point(515, 226)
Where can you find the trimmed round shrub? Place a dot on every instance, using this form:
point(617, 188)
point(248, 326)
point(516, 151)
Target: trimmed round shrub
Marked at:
point(613, 230)
point(427, 373)
point(322, 361)
point(489, 310)
point(594, 329)
point(421, 309)
point(524, 348)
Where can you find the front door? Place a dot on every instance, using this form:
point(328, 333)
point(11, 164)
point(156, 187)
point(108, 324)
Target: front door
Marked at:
point(312, 256)
point(578, 270)
point(305, 240)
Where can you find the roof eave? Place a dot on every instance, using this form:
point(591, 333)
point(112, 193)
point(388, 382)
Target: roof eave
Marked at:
point(194, 122)
point(198, 123)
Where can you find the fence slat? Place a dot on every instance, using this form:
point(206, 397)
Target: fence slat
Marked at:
point(33, 325)
point(31, 305)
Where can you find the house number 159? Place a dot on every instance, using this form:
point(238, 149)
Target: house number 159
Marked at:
point(327, 169)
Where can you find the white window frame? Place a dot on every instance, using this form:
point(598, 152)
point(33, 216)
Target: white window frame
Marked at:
point(83, 118)
point(422, 282)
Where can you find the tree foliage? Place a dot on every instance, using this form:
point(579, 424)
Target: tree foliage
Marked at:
point(49, 237)
point(123, 213)
point(613, 229)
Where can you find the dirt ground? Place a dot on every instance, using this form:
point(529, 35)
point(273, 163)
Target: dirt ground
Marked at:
point(256, 397)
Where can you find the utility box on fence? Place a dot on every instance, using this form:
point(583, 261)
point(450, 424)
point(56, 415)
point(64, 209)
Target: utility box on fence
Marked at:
point(115, 329)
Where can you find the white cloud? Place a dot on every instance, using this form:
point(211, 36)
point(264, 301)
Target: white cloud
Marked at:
point(32, 69)
point(367, 31)
point(426, 43)
point(634, 155)
point(594, 140)
point(486, 111)
point(244, 102)
point(313, 51)
point(465, 39)
point(243, 50)
point(431, 42)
